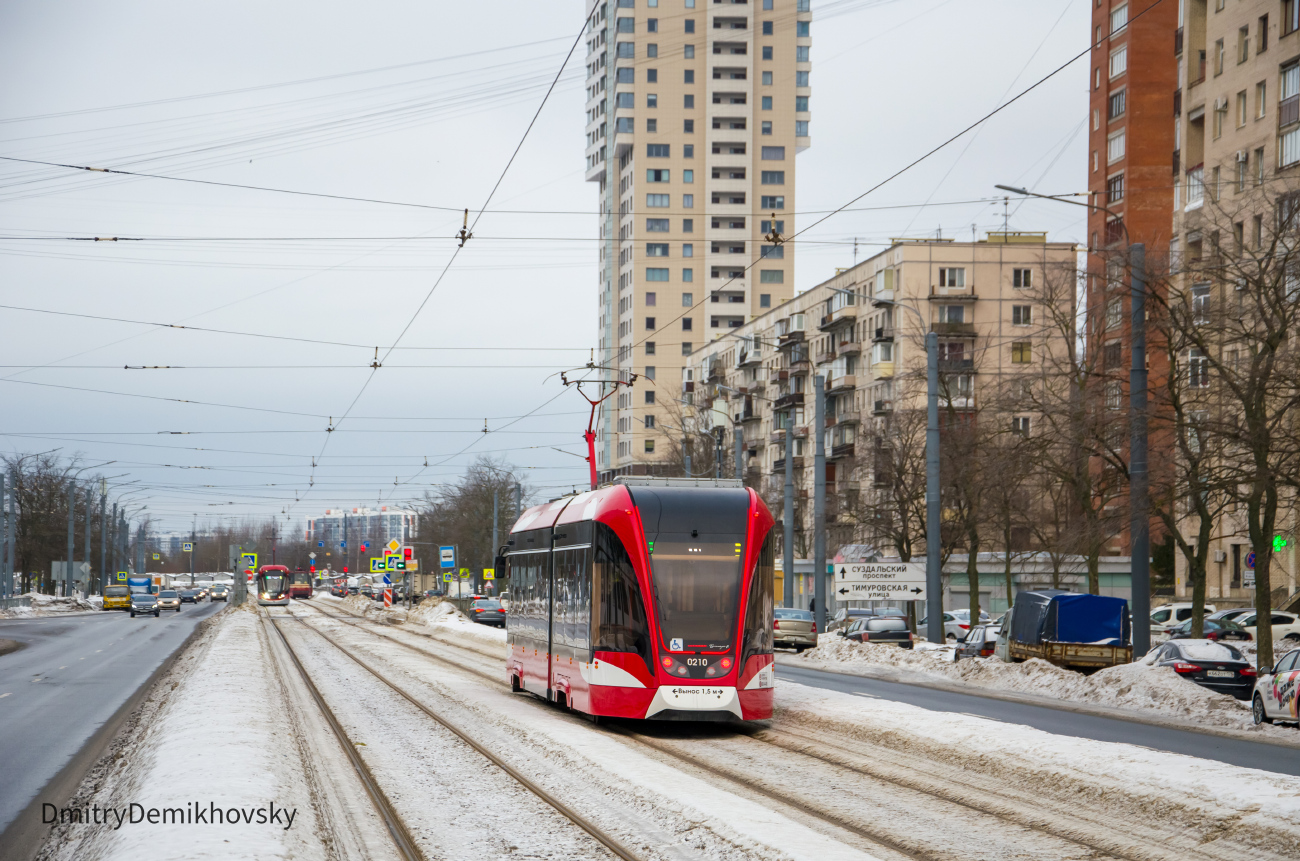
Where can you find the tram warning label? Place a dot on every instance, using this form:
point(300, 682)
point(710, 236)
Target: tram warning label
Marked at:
point(880, 581)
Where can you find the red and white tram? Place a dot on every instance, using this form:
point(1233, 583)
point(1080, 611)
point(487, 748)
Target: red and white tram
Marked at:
point(648, 598)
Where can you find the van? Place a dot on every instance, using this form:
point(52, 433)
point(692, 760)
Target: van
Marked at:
point(117, 598)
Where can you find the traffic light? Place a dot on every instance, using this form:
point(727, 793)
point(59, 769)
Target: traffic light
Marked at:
point(408, 553)
point(345, 569)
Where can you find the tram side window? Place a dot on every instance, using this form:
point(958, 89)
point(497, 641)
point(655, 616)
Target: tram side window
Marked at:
point(758, 612)
point(620, 617)
point(572, 599)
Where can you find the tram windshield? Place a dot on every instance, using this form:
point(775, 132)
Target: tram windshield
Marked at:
point(274, 583)
point(697, 540)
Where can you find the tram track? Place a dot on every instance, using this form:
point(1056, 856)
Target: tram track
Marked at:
point(610, 842)
point(1009, 811)
point(1022, 809)
point(401, 838)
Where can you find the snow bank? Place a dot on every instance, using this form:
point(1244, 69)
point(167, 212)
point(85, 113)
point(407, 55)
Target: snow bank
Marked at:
point(445, 619)
point(49, 605)
point(1153, 691)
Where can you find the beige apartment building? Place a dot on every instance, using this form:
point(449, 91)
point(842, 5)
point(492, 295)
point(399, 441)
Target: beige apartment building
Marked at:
point(982, 298)
point(1237, 133)
point(695, 112)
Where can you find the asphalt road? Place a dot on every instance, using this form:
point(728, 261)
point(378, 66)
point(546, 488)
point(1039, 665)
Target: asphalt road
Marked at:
point(72, 675)
point(1250, 754)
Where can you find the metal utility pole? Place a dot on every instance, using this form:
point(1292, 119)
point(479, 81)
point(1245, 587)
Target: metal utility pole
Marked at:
point(787, 517)
point(519, 501)
point(717, 455)
point(86, 555)
point(5, 574)
point(819, 502)
point(273, 527)
point(12, 526)
point(194, 541)
point(933, 512)
point(103, 536)
point(686, 455)
point(739, 434)
point(495, 518)
point(72, 540)
point(1139, 502)
point(110, 531)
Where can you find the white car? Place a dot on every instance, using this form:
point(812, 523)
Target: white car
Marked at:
point(1286, 626)
point(1166, 617)
point(956, 624)
point(1275, 691)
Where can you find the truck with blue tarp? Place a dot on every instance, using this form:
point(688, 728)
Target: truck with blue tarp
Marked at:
point(1067, 629)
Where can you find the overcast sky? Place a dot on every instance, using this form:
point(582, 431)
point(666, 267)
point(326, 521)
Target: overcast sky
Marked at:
point(422, 103)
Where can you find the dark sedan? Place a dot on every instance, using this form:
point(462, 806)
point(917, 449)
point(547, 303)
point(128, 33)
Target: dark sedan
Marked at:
point(883, 630)
point(488, 612)
point(190, 596)
point(144, 604)
point(1216, 666)
point(1214, 629)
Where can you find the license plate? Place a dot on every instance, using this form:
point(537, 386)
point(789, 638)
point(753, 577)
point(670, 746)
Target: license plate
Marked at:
point(1220, 674)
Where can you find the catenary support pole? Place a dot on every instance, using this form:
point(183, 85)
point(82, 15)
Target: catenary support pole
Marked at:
point(110, 535)
point(1139, 503)
point(6, 577)
point(519, 501)
point(933, 562)
point(194, 547)
point(72, 538)
point(787, 516)
point(819, 502)
point(739, 434)
point(90, 501)
point(495, 518)
point(103, 537)
point(13, 526)
point(717, 453)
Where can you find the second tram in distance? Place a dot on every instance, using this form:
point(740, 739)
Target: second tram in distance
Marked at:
point(649, 598)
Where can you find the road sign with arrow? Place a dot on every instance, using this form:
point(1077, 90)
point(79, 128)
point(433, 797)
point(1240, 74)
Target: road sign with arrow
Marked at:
point(880, 581)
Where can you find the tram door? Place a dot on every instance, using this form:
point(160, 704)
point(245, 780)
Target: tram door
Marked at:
point(530, 600)
point(570, 622)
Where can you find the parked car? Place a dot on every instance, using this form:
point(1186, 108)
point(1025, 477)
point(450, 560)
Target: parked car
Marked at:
point(795, 629)
point(488, 611)
point(1286, 626)
point(845, 616)
point(433, 593)
point(220, 593)
point(1213, 629)
point(882, 630)
point(1275, 696)
point(1168, 616)
point(169, 599)
point(956, 623)
point(1232, 614)
point(981, 642)
point(144, 604)
point(1212, 665)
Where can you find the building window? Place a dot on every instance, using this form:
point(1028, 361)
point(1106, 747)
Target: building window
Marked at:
point(626, 50)
point(767, 103)
point(690, 25)
point(1200, 304)
point(688, 299)
point(649, 375)
point(801, 54)
point(767, 28)
point(657, 150)
point(1020, 425)
point(688, 151)
point(772, 177)
point(687, 324)
point(1113, 396)
point(649, 444)
point(656, 275)
point(650, 396)
point(652, 50)
point(1118, 19)
point(688, 52)
point(656, 249)
point(652, 76)
point(652, 125)
point(649, 322)
point(803, 29)
point(625, 25)
point(688, 126)
point(766, 127)
point(801, 79)
point(652, 100)
point(767, 79)
point(1022, 278)
point(772, 201)
point(626, 76)
point(1115, 146)
point(650, 299)
point(624, 100)
point(657, 201)
point(656, 225)
point(657, 175)
point(1261, 91)
point(1218, 57)
point(688, 250)
point(766, 226)
point(686, 348)
point(773, 153)
point(649, 348)
point(765, 300)
point(1112, 355)
point(771, 276)
point(690, 76)
point(801, 128)
point(1119, 61)
point(801, 103)
point(688, 102)
point(688, 225)
point(688, 275)
point(1114, 313)
point(771, 252)
point(688, 201)
point(767, 52)
point(1290, 16)
point(952, 277)
point(1115, 188)
point(1198, 369)
point(1022, 352)
point(1118, 103)
point(1243, 45)
point(1022, 315)
point(1289, 149)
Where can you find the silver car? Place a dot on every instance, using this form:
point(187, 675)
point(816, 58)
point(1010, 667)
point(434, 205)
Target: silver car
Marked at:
point(795, 629)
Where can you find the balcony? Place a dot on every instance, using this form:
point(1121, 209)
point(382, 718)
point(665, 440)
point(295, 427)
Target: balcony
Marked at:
point(789, 338)
point(842, 451)
point(882, 408)
point(749, 359)
point(883, 333)
point(839, 317)
point(848, 348)
point(778, 466)
point(842, 383)
point(882, 298)
point(956, 366)
point(953, 329)
point(782, 375)
point(794, 399)
point(825, 358)
point(882, 370)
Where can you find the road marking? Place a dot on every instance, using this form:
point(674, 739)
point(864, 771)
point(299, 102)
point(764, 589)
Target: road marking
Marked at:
point(982, 717)
point(2, 696)
point(869, 696)
point(64, 667)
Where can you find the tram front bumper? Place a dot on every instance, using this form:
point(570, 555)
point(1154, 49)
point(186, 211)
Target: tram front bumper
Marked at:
point(682, 700)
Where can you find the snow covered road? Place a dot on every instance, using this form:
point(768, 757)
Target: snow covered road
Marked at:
point(832, 776)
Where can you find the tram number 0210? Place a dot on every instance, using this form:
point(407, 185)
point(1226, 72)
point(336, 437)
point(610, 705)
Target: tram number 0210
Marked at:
point(697, 662)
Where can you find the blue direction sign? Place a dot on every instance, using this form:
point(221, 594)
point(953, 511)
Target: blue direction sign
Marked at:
point(343, 544)
point(447, 555)
point(320, 543)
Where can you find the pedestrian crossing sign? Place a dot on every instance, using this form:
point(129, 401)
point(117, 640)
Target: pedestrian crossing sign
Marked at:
point(187, 547)
point(376, 564)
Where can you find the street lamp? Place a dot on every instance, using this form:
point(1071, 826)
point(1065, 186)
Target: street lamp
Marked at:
point(934, 631)
point(1139, 479)
point(72, 513)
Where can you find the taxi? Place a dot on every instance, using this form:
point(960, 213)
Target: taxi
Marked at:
point(1275, 696)
point(117, 598)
